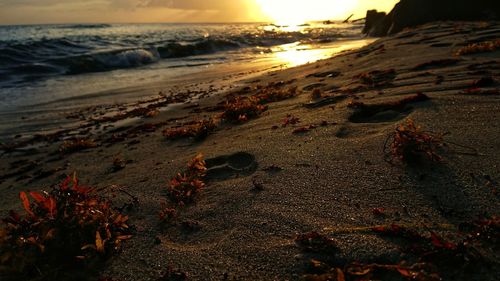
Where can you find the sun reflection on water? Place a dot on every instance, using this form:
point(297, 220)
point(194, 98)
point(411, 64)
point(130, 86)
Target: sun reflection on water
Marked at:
point(292, 55)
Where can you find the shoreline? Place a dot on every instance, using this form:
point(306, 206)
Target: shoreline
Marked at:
point(146, 58)
point(327, 178)
point(214, 80)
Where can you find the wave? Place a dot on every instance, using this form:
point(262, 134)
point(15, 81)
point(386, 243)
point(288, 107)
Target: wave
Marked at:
point(45, 43)
point(108, 61)
point(34, 68)
point(176, 50)
point(36, 51)
point(86, 50)
point(84, 26)
point(137, 57)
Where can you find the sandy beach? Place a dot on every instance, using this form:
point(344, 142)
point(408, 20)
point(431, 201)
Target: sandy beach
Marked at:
point(325, 171)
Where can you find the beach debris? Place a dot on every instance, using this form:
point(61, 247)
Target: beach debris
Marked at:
point(151, 113)
point(185, 185)
point(273, 93)
point(396, 230)
point(425, 255)
point(77, 144)
point(67, 226)
point(355, 104)
point(243, 118)
point(473, 236)
point(409, 143)
point(304, 129)
point(119, 163)
point(481, 47)
point(377, 78)
point(436, 63)
point(133, 132)
point(316, 94)
point(257, 185)
point(197, 130)
point(316, 242)
point(167, 213)
point(481, 92)
point(151, 110)
point(483, 82)
point(290, 120)
point(476, 87)
point(183, 188)
point(241, 109)
point(379, 211)
point(360, 272)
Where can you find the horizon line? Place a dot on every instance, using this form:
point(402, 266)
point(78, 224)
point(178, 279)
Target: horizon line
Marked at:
point(166, 22)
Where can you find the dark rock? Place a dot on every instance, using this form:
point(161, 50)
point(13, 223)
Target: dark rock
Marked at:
point(382, 27)
point(373, 19)
point(410, 13)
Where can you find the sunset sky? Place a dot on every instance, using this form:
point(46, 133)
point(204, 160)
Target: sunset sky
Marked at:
point(131, 11)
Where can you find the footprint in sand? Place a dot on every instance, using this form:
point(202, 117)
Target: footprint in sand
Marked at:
point(226, 167)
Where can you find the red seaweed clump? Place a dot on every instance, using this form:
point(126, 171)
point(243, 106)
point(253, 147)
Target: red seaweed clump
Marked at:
point(409, 143)
point(71, 225)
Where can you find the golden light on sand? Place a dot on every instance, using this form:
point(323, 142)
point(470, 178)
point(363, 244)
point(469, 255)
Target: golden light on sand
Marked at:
point(295, 54)
point(291, 56)
point(293, 12)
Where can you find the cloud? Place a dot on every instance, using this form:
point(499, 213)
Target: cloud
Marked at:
point(222, 5)
point(49, 3)
point(79, 11)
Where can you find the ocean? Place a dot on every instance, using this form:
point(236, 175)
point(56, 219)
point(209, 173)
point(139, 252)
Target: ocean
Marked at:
point(40, 64)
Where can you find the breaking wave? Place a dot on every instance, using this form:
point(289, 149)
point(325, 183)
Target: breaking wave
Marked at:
point(76, 49)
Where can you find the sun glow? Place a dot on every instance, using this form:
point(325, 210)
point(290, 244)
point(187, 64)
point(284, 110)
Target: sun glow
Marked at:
point(294, 12)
